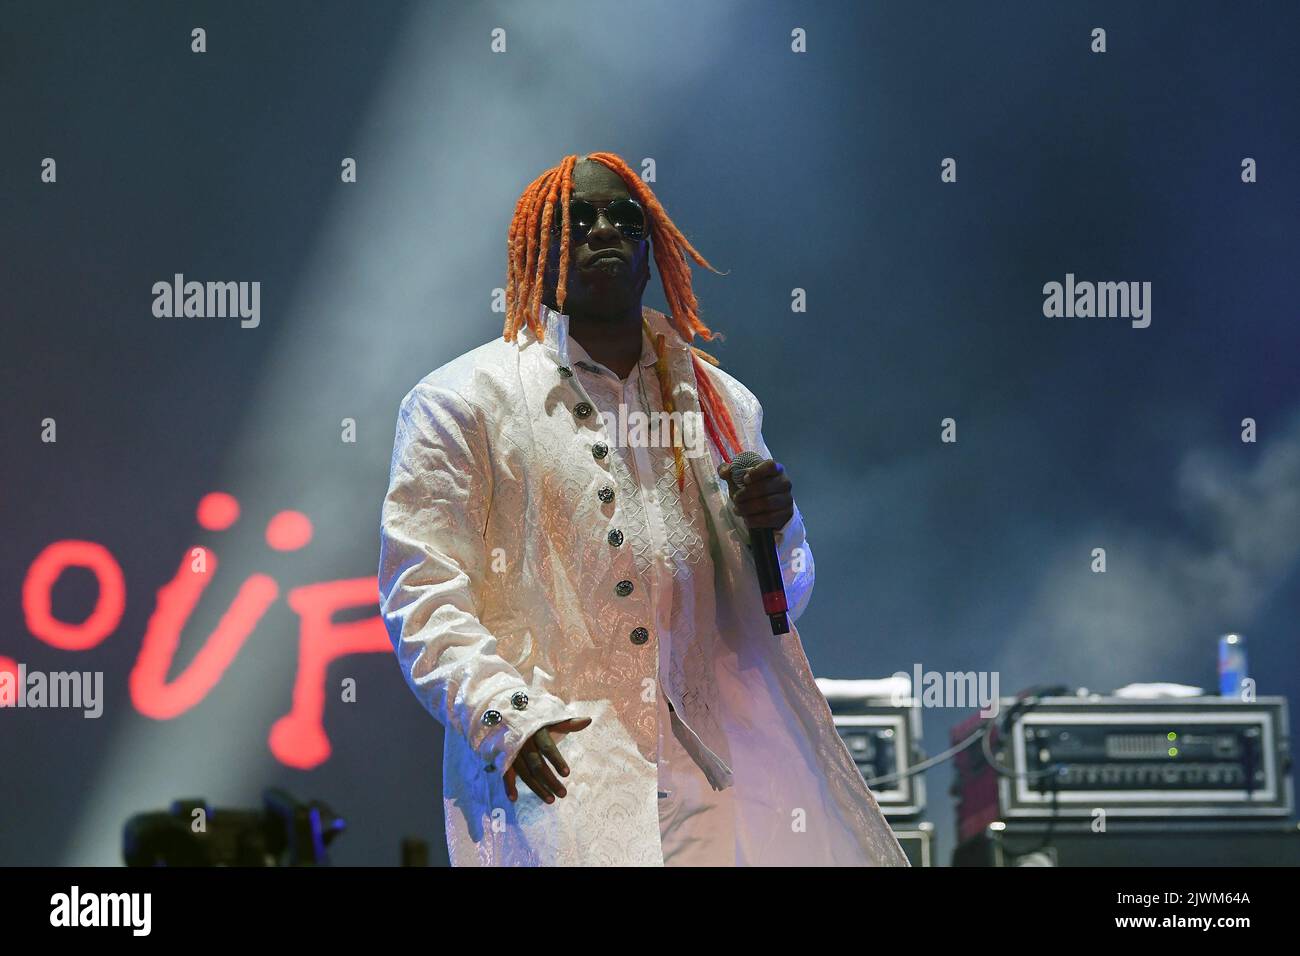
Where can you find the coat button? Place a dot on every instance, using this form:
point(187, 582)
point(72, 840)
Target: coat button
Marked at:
point(623, 588)
point(491, 718)
point(582, 409)
point(640, 635)
point(519, 700)
point(606, 494)
point(616, 537)
point(566, 372)
point(599, 450)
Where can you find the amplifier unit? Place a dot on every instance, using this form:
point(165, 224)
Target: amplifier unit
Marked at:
point(1130, 843)
point(917, 841)
point(884, 739)
point(1082, 757)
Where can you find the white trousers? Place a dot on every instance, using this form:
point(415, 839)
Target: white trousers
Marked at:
point(696, 822)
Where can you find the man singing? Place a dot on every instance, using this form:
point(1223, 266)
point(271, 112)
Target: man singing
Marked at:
point(566, 576)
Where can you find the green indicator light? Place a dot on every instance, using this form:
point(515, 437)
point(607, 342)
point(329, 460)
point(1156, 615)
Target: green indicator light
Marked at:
point(1171, 735)
point(1173, 751)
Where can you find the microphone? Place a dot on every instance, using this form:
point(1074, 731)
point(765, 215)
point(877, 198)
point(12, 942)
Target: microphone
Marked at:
point(763, 546)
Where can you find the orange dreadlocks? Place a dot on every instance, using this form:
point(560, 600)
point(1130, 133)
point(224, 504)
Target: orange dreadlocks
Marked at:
point(528, 246)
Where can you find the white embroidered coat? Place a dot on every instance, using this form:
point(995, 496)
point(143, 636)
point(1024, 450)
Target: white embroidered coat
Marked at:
point(502, 599)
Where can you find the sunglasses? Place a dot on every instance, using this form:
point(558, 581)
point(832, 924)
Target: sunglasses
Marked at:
point(625, 215)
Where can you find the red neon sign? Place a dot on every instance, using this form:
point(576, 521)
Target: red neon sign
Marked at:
point(297, 739)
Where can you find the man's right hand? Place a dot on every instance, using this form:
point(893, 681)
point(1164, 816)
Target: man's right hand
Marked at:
point(530, 763)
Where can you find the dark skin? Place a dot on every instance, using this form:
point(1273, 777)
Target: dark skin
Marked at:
point(608, 273)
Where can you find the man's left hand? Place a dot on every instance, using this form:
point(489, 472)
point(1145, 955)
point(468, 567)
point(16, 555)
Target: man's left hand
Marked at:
point(766, 496)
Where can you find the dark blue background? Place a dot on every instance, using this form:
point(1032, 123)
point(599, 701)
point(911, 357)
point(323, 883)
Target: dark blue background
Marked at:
point(817, 171)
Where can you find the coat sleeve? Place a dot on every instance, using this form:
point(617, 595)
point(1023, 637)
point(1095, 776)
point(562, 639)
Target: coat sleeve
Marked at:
point(432, 563)
point(792, 548)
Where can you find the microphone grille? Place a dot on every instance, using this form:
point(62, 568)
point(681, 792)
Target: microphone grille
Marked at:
point(743, 462)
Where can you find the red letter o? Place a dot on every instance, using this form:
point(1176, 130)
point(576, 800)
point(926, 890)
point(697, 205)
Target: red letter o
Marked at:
point(45, 571)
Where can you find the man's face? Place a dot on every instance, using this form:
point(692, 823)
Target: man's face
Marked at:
point(607, 271)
